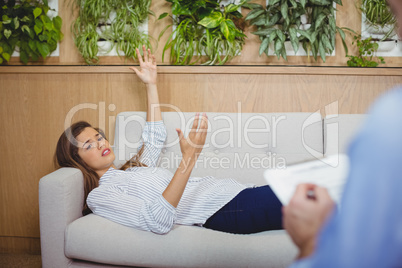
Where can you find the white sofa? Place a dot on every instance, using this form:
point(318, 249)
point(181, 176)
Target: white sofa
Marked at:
point(240, 146)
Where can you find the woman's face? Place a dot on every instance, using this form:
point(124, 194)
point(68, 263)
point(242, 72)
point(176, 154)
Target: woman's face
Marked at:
point(95, 151)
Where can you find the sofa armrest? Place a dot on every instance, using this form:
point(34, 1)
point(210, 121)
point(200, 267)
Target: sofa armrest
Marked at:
point(61, 197)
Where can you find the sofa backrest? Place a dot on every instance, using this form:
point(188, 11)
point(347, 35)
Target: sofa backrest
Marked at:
point(238, 145)
point(339, 131)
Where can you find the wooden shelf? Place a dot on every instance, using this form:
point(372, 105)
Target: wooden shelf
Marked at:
point(284, 70)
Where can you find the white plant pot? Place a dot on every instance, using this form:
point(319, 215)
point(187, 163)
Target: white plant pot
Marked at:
point(289, 49)
point(103, 29)
point(105, 47)
point(227, 2)
point(305, 26)
point(111, 18)
point(373, 29)
point(369, 30)
point(303, 19)
point(143, 27)
point(386, 46)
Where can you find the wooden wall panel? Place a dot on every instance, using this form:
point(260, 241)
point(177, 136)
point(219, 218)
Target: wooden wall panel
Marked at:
point(34, 106)
point(19, 245)
point(68, 51)
point(355, 94)
point(32, 116)
point(188, 92)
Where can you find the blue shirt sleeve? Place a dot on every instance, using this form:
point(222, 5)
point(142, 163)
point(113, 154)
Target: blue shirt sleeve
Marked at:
point(304, 263)
point(367, 232)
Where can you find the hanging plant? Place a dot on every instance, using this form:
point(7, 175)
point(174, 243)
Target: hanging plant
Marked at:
point(378, 15)
point(310, 23)
point(25, 27)
point(378, 12)
point(366, 50)
point(204, 28)
point(117, 22)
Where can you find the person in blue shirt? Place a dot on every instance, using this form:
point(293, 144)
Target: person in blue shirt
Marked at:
point(367, 230)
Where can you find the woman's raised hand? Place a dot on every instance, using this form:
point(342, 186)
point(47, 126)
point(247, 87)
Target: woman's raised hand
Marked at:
point(192, 146)
point(148, 72)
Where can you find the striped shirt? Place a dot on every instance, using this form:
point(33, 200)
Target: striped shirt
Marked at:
point(134, 197)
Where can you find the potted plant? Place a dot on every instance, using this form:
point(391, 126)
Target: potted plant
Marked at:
point(25, 27)
point(309, 23)
point(378, 17)
point(204, 28)
point(108, 24)
point(366, 51)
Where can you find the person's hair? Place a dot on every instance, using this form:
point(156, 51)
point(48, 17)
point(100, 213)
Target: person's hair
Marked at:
point(67, 156)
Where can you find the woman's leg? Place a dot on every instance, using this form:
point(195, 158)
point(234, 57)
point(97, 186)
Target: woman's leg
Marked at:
point(253, 210)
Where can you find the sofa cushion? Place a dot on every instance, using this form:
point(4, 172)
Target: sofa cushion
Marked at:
point(339, 131)
point(240, 146)
point(93, 238)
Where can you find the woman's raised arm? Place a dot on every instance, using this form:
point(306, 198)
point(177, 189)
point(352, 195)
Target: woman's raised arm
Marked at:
point(148, 74)
point(191, 148)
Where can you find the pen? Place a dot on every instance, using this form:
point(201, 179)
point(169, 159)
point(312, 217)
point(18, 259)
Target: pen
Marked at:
point(311, 194)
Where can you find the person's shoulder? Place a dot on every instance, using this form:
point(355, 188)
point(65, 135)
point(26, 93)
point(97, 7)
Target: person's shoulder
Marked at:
point(384, 118)
point(390, 103)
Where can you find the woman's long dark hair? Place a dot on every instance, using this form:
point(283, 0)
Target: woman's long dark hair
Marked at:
point(67, 156)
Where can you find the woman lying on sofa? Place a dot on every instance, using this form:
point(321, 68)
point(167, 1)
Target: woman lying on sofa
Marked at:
point(145, 197)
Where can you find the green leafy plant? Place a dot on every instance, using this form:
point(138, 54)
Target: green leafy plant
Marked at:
point(109, 20)
point(204, 28)
point(366, 50)
point(26, 27)
point(378, 15)
point(281, 21)
point(378, 12)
